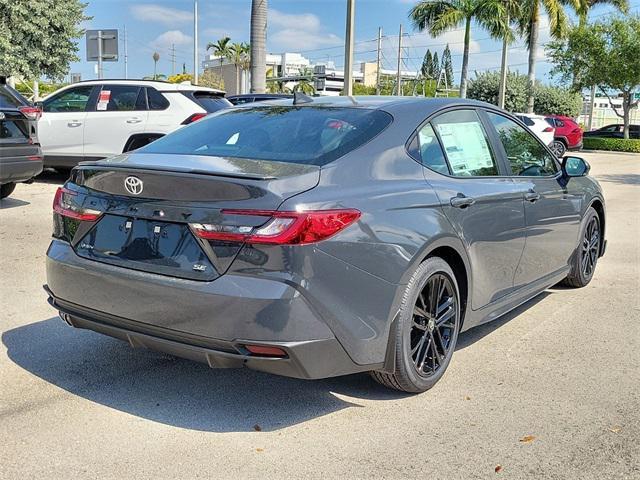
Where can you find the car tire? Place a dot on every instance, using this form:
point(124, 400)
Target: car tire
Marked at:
point(427, 330)
point(7, 189)
point(585, 257)
point(558, 148)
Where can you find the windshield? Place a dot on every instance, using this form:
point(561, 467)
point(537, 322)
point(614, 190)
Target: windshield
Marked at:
point(308, 135)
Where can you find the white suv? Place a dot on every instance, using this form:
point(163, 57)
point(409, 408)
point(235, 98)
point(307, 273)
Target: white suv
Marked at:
point(99, 118)
point(538, 125)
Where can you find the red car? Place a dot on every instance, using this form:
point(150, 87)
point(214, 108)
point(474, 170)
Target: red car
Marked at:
point(568, 134)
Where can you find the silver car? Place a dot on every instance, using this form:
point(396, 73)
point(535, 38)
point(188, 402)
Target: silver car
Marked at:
point(321, 237)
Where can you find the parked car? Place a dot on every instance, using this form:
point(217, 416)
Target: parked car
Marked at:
point(614, 131)
point(20, 155)
point(538, 125)
point(99, 118)
point(323, 237)
point(256, 97)
point(567, 135)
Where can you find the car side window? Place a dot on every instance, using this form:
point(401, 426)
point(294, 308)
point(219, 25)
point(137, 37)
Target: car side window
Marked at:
point(526, 155)
point(72, 100)
point(429, 151)
point(156, 100)
point(119, 98)
point(465, 143)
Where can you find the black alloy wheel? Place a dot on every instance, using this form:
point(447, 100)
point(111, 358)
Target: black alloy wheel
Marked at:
point(590, 247)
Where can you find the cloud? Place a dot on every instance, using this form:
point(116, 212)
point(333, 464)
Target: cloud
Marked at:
point(171, 37)
point(159, 14)
point(295, 32)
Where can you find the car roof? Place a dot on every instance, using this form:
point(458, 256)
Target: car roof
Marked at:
point(157, 84)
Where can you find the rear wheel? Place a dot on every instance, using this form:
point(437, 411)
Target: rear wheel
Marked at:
point(558, 148)
point(586, 255)
point(427, 331)
point(7, 189)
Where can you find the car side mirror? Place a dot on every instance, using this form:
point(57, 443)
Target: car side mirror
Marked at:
point(575, 167)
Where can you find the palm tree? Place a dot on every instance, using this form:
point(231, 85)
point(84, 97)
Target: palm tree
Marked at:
point(509, 14)
point(220, 49)
point(239, 55)
point(439, 16)
point(156, 57)
point(304, 86)
point(258, 45)
point(529, 23)
point(584, 6)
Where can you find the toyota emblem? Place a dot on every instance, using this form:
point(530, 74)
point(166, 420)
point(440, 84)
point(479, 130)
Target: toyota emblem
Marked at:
point(133, 185)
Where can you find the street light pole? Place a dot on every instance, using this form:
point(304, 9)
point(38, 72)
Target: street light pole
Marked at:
point(348, 49)
point(195, 42)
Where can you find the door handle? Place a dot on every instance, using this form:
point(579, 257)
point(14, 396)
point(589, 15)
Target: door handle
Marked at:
point(462, 201)
point(532, 196)
point(134, 120)
point(74, 123)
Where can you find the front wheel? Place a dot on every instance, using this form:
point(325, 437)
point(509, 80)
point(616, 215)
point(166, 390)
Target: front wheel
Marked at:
point(585, 258)
point(7, 189)
point(427, 329)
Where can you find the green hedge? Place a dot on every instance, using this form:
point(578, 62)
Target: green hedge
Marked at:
point(613, 144)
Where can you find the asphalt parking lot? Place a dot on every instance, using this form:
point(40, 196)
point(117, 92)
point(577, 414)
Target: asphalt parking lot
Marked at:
point(549, 391)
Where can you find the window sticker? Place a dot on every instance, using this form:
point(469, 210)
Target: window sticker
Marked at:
point(466, 146)
point(103, 99)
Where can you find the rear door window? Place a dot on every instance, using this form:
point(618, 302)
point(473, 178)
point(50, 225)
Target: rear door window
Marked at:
point(121, 98)
point(429, 151)
point(465, 144)
point(313, 135)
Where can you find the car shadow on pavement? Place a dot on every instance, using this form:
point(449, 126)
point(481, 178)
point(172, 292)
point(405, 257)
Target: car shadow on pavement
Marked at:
point(174, 391)
point(53, 177)
point(7, 203)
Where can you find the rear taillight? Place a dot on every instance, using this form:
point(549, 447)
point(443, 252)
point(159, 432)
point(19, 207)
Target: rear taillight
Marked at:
point(194, 118)
point(280, 228)
point(32, 113)
point(548, 129)
point(64, 205)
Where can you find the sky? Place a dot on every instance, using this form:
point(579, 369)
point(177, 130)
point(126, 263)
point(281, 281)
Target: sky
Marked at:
point(316, 28)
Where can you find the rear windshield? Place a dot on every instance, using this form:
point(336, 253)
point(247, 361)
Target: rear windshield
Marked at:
point(7, 100)
point(313, 135)
point(210, 101)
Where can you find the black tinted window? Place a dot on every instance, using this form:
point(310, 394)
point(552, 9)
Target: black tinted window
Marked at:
point(72, 100)
point(210, 101)
point(13, 130)
point(6, 99)
point(118, 98)
point(309, 135)
point(525, 153)
point(156, 100)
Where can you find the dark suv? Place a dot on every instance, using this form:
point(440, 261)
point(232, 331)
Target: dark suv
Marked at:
point(20, 155)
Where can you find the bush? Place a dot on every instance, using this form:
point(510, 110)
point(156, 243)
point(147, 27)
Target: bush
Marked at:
point(612, 144)
point(547, 100)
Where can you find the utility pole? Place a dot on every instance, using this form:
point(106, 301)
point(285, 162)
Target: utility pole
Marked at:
point(503, 68)
point(195, 42)
point(378, 61)
point(348, 49)
point(399, 74)
point(126, 57)
point(173, 59)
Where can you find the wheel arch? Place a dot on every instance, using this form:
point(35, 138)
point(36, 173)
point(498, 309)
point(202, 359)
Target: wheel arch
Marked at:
point(598, 205)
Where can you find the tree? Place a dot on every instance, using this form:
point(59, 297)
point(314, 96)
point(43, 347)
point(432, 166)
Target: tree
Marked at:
point(180, 77)
point(583, 7)
point(156, 57)
point(529, 24)
point(239, 55)
point(258, 46)
point(439, 16)
point(427, 65)
point(304, 85)
point(220, 49)
point(586, 57)
point(435, 66)
point(447, 65)
point(38, 37)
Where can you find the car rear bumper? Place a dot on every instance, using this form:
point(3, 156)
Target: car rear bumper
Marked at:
point(210, 322)
point(19, 168)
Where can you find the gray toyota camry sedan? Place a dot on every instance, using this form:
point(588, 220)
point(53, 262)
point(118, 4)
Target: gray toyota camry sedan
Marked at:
point(320, 237)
